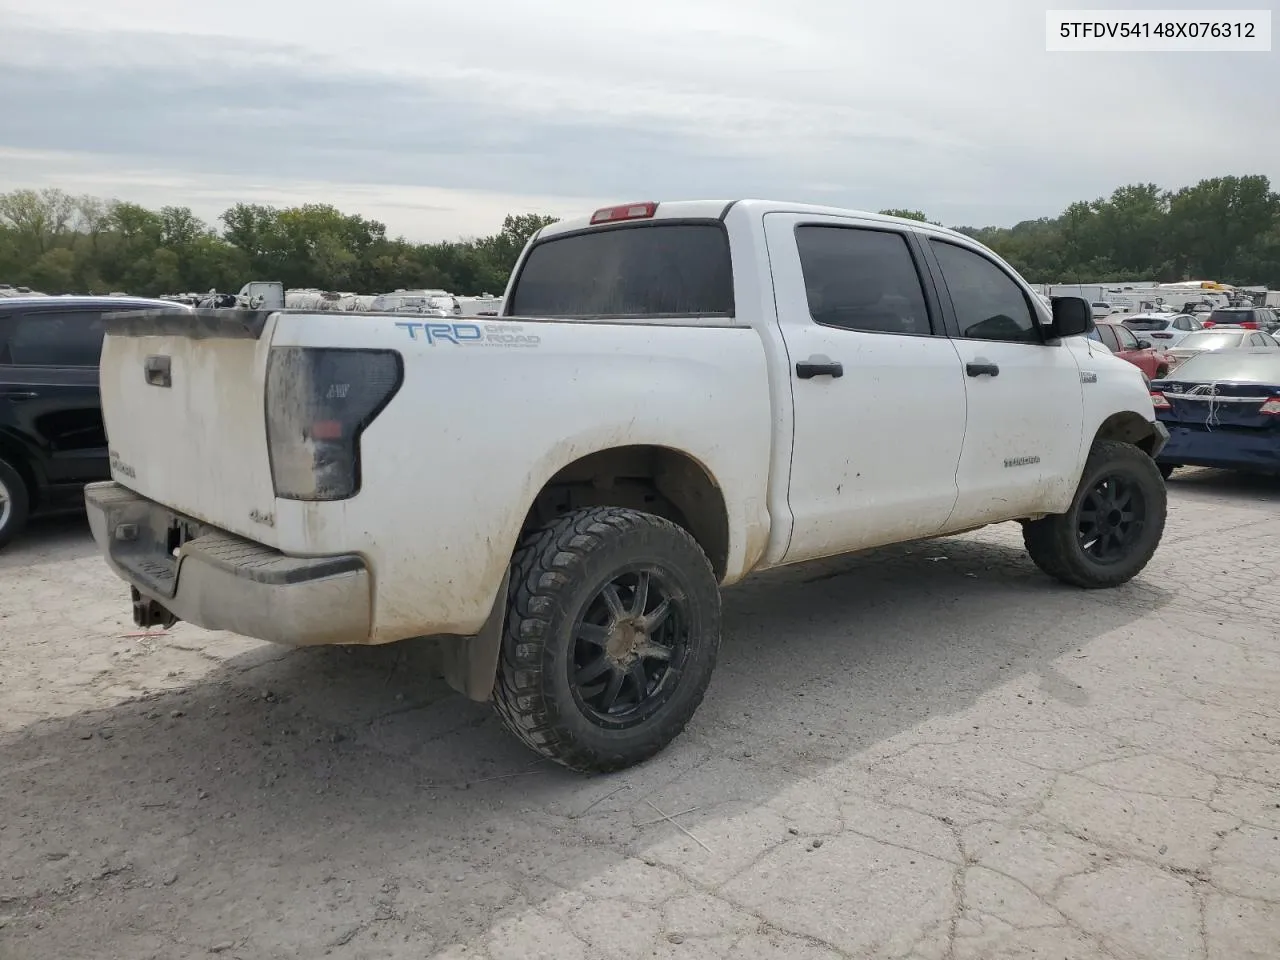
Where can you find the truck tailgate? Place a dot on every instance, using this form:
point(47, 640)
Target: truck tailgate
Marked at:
point(183, 403)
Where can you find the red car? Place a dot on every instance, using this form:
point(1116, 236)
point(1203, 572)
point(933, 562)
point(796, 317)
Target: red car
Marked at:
point(1120, 340)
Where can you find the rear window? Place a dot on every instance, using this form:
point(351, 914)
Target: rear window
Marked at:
point(677, 269)
point(1212, 341)
point(1232, 316)
point(1231, 365)
point(1146, 323)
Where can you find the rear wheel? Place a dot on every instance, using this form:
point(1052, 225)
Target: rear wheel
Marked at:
point(611, 636)
point(15, 503)
point(1114, 523)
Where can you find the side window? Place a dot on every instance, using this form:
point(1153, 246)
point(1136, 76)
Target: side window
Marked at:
point(1127, 340)
point(70, 339)
point(861, 279)
point(1181, 324)
point(989, 304)
point(1108, 337)
point(1257, 340)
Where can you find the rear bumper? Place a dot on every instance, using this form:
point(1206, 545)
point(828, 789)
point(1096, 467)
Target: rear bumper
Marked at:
point(1233, 449)
point(224, 582)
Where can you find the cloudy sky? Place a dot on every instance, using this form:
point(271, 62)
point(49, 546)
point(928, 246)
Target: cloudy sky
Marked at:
point(440, 117)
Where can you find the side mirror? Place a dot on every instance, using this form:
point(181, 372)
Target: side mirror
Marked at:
point(1144, 344)
point(1072, 316)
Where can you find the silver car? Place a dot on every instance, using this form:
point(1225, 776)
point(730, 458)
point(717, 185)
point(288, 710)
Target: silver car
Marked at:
point(1219, 338)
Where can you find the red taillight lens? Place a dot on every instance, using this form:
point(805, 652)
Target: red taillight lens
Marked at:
point(1160, 401)
point(1250, 324)
point(628, 211)
point(318, 404)
point(1271, 408)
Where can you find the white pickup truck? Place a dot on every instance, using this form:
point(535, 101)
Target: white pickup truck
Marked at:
point(676, 395)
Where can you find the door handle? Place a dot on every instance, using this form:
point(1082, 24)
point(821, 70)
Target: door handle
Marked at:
point(819, 367)
point(19, 394)
point(156, 371)
point(982, 368)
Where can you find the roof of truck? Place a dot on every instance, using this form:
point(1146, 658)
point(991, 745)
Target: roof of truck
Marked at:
point(718, 209)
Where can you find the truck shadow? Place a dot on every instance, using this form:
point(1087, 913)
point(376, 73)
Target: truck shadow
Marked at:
point(301, 802)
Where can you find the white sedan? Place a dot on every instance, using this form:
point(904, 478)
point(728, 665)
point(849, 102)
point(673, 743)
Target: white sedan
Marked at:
point(1164, 330)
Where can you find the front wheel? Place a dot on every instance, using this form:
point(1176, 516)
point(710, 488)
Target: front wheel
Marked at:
point(1114, 523)
point(15, 503)
point(611, 636)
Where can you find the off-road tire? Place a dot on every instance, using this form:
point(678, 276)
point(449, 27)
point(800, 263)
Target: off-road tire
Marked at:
point(1166, 469)
point(556, 572)
point(13, 518)
point(1053, 542)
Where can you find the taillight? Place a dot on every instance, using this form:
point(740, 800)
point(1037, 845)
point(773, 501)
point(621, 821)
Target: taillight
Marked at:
point(319, 401)
point(1163, 336)
point(1271, 407)
point(628, 211)
point(1160, 401)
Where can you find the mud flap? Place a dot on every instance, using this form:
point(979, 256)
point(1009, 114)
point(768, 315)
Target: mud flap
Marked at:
point(471, 663)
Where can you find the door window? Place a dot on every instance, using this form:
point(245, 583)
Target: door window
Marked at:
point(989, 305)
point(64, 339)
point(860, 279)
point(1108, 337)
point(1127, 340)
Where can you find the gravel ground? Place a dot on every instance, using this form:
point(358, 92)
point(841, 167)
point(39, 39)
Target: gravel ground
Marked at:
point(927, 753)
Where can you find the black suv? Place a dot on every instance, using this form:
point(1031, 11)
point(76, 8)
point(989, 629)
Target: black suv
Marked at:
point(52, 441)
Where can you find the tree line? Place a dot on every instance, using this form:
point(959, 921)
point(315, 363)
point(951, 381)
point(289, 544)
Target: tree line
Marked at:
point(1225, 229)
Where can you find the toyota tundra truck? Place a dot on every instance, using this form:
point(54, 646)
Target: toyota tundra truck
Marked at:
point(676, 395)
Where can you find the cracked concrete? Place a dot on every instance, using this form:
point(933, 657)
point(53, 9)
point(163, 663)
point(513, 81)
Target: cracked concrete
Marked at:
point(900, 758)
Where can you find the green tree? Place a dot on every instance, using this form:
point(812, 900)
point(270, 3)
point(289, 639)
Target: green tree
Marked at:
point(906, 214)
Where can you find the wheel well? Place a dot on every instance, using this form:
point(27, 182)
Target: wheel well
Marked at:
point(657, 480)
point(1128, 427)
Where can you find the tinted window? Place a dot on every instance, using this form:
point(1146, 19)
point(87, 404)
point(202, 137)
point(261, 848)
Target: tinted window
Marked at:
point(1108, 337)
point(660, 270)
point(861, 280)
point(988, 304)
point(70, 339)
point(1146, 323)
point(1232, 316)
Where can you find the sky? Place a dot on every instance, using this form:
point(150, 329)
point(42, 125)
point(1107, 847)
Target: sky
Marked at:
point(440, 118)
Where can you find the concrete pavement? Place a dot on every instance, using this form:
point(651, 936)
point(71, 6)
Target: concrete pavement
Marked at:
point(928, 753)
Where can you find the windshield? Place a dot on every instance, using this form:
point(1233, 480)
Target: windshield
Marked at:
point(1248, 366)
point(676, 269)
point(1212, 341)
